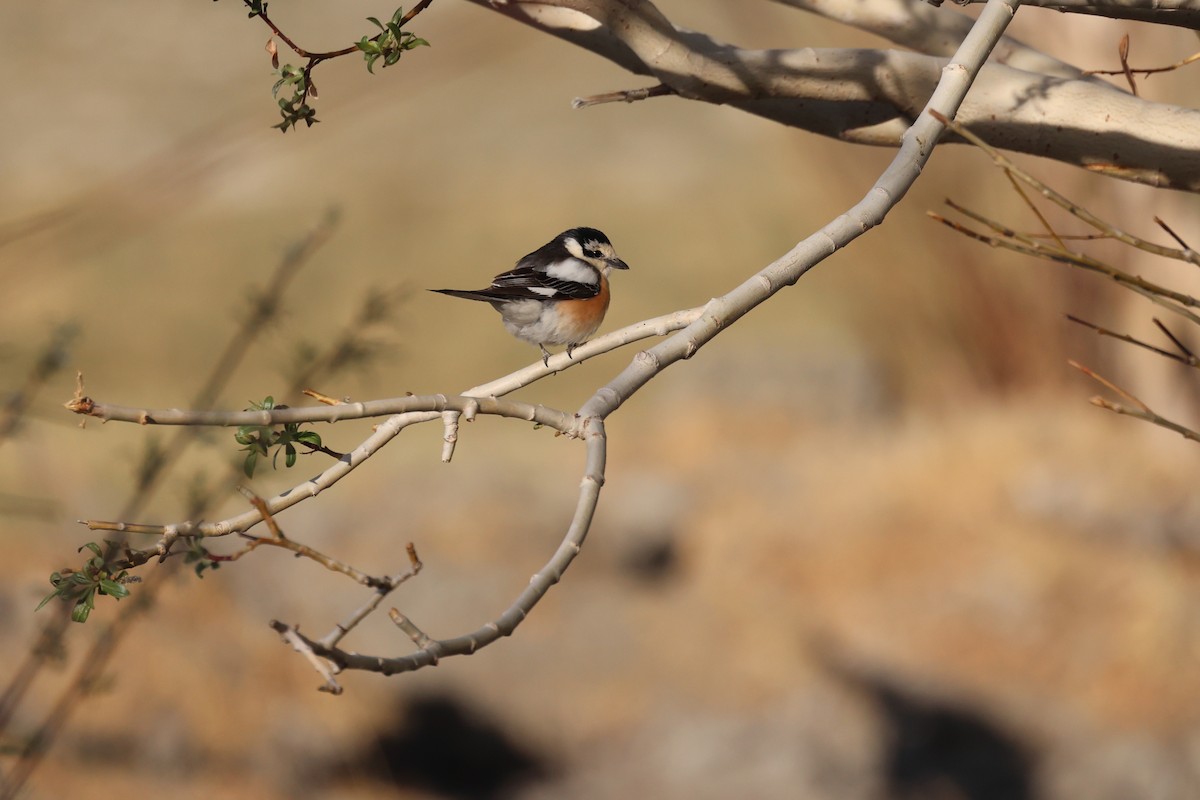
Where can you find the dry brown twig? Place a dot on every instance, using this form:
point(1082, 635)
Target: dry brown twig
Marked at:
point(1129, 72)
point(1031, 244)
point(1138, 410)
point(1184, 357)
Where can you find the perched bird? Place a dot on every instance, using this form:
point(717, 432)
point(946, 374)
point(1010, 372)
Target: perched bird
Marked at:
point(555, 295)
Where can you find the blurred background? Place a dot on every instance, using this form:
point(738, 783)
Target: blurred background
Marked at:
point(872, 542)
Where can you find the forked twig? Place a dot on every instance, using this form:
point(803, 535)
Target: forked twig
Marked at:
point(1002, 161)
point(1187, 358)
point(1139, 410)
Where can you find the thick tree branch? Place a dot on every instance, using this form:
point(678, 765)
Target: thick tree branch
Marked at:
point(920, 26)
point(1180, 13)
point(915, 150)
point(872, 96)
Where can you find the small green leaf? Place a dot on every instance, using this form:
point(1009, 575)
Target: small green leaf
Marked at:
point(95, 548)
point(249, 464)
point(47, 599)
point(113, 589)
point(84, 606)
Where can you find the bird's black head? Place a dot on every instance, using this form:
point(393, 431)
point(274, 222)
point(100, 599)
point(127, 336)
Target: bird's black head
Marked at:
point(591, 245)
point(584, 235)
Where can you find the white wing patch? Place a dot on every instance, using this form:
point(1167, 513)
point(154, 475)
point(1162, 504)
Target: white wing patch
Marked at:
point(572, 269)
point(573, 247)
point(544, 291)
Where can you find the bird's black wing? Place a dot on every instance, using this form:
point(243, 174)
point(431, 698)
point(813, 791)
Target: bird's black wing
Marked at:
point(527, 281)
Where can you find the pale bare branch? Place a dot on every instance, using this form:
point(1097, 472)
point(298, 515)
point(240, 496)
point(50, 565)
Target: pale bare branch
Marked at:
point(916, 148)
point(1181, 13)
point(920, 26)
point(872, 96)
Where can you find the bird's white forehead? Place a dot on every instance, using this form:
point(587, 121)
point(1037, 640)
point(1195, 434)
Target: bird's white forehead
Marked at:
point(571, 269)
point(593, 245)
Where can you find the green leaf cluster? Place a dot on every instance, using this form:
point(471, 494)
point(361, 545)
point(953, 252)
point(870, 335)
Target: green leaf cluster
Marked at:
point(81, 586)
point(199, 558)
point(294, 107)
point(390, 43)
point(259, 440)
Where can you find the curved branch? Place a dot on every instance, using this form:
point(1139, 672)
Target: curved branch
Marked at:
point(915, 150)
point(433, 650)
point(872, 96)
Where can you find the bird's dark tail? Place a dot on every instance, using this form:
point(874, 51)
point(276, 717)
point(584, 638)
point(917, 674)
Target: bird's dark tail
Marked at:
point(467, 294)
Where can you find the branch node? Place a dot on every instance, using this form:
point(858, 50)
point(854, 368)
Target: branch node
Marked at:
point(292, 636)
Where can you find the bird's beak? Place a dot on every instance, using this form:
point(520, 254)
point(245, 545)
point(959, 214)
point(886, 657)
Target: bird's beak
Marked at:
point(616, 263)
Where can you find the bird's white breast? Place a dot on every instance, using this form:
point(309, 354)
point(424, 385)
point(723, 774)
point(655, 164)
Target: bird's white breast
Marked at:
point(572, 269)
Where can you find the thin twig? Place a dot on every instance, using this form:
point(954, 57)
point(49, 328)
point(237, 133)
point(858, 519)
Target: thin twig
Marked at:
point(1037, 212)
point(626, 96)
point(278, 539)
point(1110, 385)
point(1192, 59)
point(1147, 415)
point(1124, 337)
point(345, 51)
point(1193, 256)
point(1123, 54)
point(315, 59)
point(332, 638)
point(1060, 200)
point(386, 407)
point(1011, 240)
point(1189, 355)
